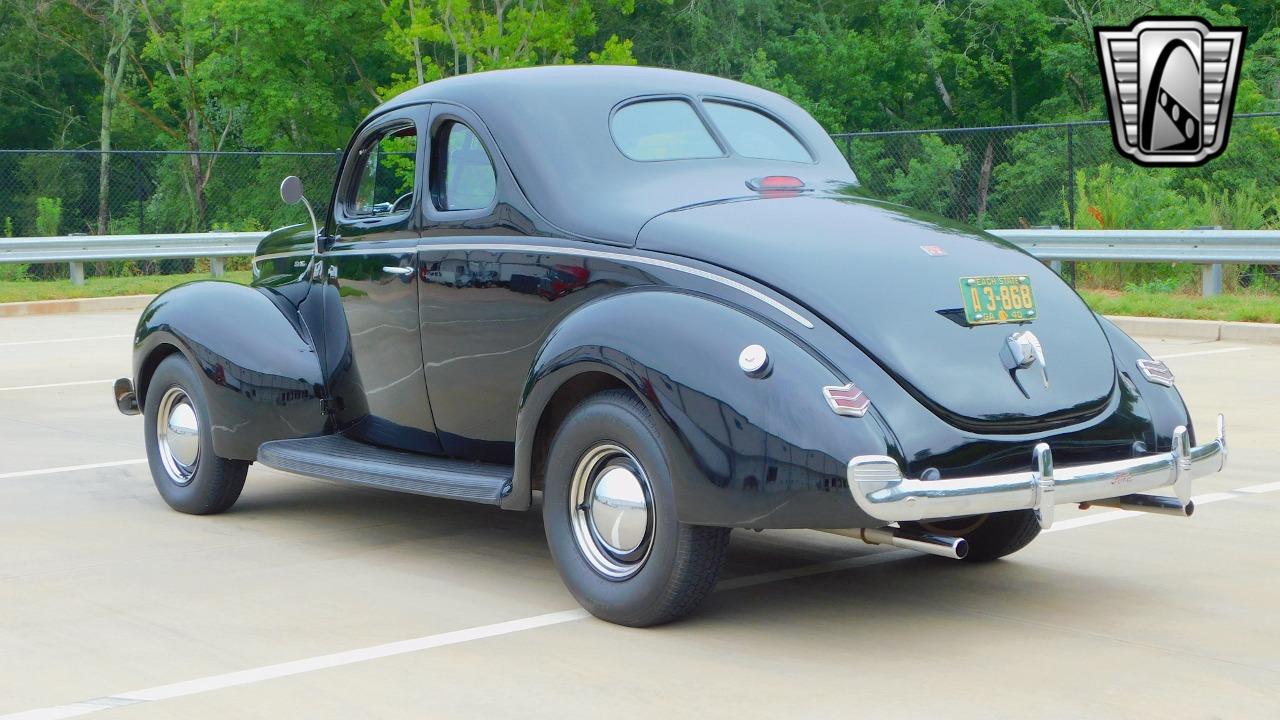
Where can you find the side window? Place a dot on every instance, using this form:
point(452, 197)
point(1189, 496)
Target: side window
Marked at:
point(662, 130)
point(462, 176)
point(755, 135)
point(381, 181)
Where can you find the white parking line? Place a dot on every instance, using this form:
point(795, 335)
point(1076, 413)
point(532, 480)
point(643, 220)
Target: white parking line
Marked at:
point(64, 340)
point(70, 468)
point(455, 637)
point(1201, 352)
point(54, 385)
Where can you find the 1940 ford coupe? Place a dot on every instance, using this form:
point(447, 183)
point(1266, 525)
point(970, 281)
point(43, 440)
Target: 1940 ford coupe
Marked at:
point(662, 300)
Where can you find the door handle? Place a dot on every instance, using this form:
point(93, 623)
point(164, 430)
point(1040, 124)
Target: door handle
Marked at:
point(396, 270)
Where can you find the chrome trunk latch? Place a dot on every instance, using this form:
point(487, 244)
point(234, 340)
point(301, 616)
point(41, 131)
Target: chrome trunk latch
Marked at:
point(1022, 350)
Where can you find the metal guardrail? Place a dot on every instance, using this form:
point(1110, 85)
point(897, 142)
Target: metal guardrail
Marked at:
point(1207, 247)
point(1190, 246)
point(76, 250)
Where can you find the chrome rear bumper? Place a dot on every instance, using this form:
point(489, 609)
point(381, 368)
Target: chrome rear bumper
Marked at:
point(879, 488)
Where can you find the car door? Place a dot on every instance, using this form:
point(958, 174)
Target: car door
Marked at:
point(379, 392)
point(495, 280)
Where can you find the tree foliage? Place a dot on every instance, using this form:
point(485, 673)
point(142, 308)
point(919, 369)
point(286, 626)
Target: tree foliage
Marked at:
point(203, 75)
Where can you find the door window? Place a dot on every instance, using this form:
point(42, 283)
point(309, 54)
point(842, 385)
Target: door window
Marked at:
point(382, 178)
point(462, 176)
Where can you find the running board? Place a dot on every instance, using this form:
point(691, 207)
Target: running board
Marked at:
point(333, 457)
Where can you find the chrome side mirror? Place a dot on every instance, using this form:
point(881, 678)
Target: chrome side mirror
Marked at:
point(291, 194)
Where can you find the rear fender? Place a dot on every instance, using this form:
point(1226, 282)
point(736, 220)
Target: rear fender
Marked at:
point(1164, 404)
point(742, 451)
point(252, 353)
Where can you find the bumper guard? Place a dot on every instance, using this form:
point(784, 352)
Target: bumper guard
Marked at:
point(879, 488)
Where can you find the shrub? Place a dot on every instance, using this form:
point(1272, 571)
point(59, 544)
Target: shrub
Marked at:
point(48, 215)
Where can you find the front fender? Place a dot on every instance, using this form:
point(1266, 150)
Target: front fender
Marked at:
point(742, 451)
point(251, 351)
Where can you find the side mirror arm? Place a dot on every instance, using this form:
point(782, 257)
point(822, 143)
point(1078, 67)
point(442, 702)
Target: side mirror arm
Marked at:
point(291, 193)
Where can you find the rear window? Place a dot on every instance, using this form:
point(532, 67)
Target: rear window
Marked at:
point(662, 130)
point(755, 135)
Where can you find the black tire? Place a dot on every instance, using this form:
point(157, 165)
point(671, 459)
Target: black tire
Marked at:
point(990, 536)
point(214, 483)
point(682, 562)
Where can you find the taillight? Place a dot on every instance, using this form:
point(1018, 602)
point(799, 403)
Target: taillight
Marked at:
point(848, 400)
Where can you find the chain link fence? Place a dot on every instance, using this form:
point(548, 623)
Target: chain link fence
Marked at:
point(1063, 174)
point(1070, 175)
point(67, 192)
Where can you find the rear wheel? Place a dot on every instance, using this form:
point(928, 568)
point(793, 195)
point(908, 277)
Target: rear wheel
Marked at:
point(189, 476)
point(990, 536)
point(610, 518)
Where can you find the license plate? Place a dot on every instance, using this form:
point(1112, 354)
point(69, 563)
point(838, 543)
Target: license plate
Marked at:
point(998, 299)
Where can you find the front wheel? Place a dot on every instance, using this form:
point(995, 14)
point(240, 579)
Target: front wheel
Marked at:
point(610, 517)
point(990, 536)
point(179, 438)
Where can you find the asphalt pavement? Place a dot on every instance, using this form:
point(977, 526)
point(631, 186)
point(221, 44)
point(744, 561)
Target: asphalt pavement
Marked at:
point(316, 600)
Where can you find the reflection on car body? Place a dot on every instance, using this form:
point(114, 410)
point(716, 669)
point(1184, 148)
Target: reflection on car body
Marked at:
point(662, 300)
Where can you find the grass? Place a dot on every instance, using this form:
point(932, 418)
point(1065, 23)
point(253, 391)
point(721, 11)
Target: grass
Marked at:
point(1243, 306)
point(23, 290)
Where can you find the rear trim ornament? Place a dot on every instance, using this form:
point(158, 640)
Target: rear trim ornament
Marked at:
point(1022, 350)
point(1155, 371)
point(847, 400)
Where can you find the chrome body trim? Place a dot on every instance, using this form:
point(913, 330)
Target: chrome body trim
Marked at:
point(622, 257)
point(1155, 371)
point(584, 252)
point(878, 486)
point(275, 256)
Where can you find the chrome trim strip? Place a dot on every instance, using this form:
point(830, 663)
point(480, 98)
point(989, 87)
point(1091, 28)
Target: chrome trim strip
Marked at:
point(277, 256)
point(640, 259)
point(372, 250)
point(878, 486)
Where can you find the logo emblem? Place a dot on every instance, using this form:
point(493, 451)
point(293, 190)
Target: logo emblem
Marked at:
point(1170, 85)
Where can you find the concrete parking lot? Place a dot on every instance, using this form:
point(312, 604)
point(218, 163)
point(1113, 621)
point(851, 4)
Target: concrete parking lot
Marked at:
point(317, 600)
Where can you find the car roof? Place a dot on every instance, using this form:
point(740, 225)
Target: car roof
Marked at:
point(551, 125)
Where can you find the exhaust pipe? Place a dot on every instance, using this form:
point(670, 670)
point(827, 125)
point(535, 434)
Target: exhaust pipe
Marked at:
point(1157, 504)
point(941, 545)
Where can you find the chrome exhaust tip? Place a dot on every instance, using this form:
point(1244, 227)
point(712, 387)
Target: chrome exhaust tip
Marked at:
point(945, 546)
point(1156, 504)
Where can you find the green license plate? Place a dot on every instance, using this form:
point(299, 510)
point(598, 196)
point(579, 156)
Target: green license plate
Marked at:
point(998, 299)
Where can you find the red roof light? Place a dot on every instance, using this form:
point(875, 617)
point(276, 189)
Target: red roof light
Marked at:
point(776, 182)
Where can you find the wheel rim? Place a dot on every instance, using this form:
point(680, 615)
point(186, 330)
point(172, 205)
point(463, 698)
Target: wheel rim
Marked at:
point(178, 435)
point(611, 511)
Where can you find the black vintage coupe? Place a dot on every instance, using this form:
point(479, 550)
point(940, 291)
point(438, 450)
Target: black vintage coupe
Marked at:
point(661, 301)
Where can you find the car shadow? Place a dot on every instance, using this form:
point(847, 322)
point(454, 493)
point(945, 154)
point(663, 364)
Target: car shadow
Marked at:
point(832, 587)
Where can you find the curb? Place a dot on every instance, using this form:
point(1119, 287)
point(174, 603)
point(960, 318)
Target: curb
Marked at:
point(87, 305)
point(1204, 330)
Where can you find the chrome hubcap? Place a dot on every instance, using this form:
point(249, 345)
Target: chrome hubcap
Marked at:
point(178, 435)
point(612, 511)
